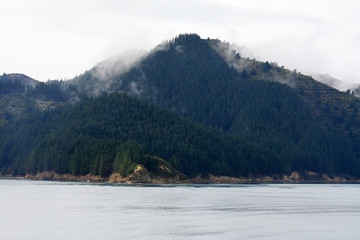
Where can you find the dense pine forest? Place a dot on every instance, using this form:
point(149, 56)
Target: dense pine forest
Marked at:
point(92, 136)
point(192, 102)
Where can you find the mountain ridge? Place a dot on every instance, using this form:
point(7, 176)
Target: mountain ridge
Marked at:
point(280, 121)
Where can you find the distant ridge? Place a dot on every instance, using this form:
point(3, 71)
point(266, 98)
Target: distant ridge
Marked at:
point(18, 77)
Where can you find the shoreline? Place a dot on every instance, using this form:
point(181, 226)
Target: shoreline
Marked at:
point(294, 178)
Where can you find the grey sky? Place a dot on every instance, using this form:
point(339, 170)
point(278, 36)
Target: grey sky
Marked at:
point(53, 39)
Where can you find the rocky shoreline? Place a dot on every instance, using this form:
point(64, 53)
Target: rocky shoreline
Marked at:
point(294, 178)
point(144, 178)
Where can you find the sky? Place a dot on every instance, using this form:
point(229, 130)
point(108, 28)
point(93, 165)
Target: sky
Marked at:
point(59, 39)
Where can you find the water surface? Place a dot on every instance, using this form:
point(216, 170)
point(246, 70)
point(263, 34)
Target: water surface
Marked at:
point(58, 210)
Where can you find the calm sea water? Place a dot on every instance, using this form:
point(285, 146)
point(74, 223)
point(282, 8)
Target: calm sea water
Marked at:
point(56, 210)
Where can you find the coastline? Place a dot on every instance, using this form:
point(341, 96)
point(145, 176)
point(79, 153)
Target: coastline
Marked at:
point(307, 177)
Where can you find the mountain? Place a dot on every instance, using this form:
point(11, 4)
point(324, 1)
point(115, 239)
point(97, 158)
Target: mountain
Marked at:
point(239, 117)
point(311, 125)
point(112, 134)
point(21, 95)
point(8, 82)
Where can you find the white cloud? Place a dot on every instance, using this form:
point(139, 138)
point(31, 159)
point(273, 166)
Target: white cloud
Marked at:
point(62, 38)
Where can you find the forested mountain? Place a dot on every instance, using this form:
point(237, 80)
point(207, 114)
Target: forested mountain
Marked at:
point(15, 82)
point(99, 135)
point(21, 95)
point(239, 117)
point(310, 124)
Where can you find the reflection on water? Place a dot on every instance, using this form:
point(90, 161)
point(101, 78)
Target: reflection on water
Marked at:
point(62, 210)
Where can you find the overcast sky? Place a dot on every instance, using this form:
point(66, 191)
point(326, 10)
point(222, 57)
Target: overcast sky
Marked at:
point(58, 39)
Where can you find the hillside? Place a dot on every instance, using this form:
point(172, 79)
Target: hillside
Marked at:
point(239, 117)
point(112, 134)
point(311, 125)
point(15, 82)
point(21, 95)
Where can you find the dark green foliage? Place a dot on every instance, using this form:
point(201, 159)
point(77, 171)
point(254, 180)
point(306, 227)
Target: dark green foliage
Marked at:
point(127, 156)
point(189, 81)
point(112, 133)
point(52, 90)
point(267, 66)
point(15, 83)
point(253, 72)
point(244, 74)
point(7, 87)
point(198, 84)
point(244, 125)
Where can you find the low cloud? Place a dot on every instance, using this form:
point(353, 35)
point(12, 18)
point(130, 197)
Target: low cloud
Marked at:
point(107, 74)
point(232, 54)
point(118, 64)
point(335, 83)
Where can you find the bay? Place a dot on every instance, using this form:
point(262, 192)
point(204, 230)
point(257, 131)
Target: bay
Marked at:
point(66, 210)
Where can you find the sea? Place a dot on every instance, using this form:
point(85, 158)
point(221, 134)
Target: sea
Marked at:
point(39, 210)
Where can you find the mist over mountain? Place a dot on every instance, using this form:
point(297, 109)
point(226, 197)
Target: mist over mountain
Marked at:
point(262, 118)
point(336, 83)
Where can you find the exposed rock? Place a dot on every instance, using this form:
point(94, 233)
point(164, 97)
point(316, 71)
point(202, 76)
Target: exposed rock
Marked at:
point(166, 174)
point(140, 175)
point(264, 179)
point(219, 179)
point(310, 173)
point(65, 177)
point(295, 175)
point(116, 178)
point(161, 172)
point(326, 177)
point(339, 180)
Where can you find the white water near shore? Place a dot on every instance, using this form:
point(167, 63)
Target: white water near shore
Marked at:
point(64, 210)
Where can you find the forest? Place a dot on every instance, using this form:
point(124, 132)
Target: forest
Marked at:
point(187, 104)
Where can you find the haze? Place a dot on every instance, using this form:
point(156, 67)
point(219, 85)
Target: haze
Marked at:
point(60, 39)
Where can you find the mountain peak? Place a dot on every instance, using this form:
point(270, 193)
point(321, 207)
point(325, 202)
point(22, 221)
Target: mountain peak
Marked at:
point(238, 117)
point(187, 37)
